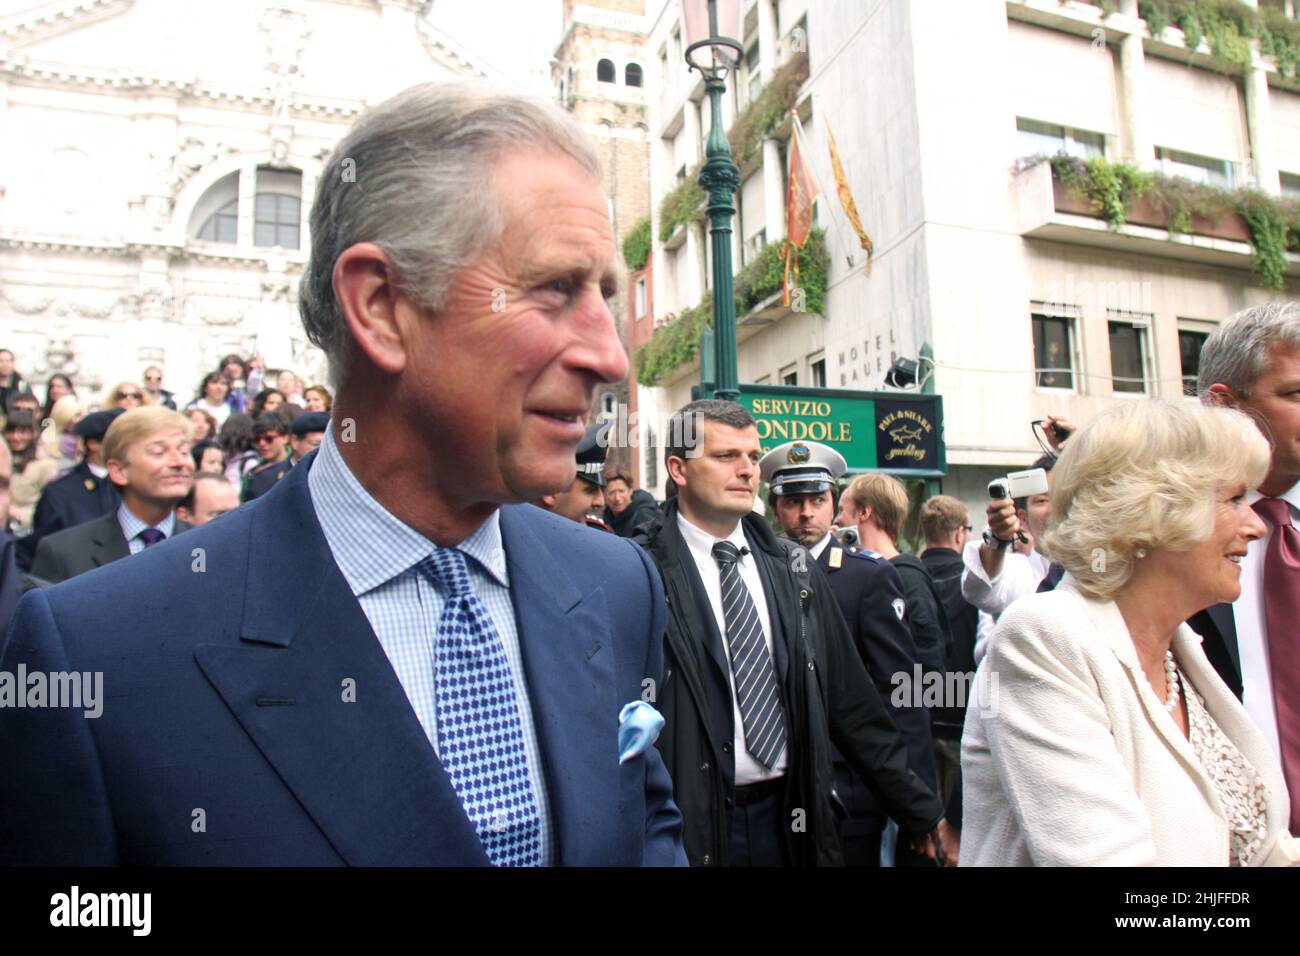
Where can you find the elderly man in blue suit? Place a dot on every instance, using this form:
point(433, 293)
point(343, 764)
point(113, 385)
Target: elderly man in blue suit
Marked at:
point(386, 659)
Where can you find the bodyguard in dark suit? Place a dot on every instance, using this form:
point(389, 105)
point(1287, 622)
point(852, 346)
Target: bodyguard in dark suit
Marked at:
point(801, 476)
point(80, 495)
point(383, 660)
point(147, 452)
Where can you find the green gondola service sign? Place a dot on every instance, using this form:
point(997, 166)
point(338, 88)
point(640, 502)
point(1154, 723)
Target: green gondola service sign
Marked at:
point(896, 432)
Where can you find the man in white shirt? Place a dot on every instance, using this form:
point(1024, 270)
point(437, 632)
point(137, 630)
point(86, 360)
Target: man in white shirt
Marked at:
point(999, 568)
point(1252, 362)
point(760, 672)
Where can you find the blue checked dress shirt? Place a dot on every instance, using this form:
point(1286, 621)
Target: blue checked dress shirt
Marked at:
point(378, 555)
point(132, 526)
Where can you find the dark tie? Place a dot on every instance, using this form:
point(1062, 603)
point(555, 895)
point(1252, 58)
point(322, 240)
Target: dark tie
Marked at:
point(480, 732)
point(1281, 614)
point(1053, 577)
point(751, 664)
point(150, 536)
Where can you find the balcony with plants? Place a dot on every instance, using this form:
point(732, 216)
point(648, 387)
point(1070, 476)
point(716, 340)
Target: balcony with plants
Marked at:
point(1119, 206)
point(673, 348)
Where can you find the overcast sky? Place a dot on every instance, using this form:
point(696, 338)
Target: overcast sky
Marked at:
point(517, 37)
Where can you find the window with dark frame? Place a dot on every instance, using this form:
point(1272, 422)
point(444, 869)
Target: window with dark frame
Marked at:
point(817, 370)
point(1053, 351)
point(1128, 357)
point(276, 220)
point(605, 72)
point(632, 74)
point(1190, 342)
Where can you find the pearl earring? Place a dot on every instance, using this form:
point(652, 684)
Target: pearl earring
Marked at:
point(1141, 552)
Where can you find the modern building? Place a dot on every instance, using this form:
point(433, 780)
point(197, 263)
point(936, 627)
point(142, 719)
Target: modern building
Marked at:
point(1027, 299)
point(160, 157)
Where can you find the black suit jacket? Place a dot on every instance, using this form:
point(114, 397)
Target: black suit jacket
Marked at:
point(74, 551)
point(69, 500)
point(1218, 630)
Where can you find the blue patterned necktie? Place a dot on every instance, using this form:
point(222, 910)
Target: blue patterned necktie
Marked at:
point(751, 664)
point(480, 733)
point(151, 536)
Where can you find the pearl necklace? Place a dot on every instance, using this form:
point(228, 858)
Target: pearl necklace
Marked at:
point(1171, 682)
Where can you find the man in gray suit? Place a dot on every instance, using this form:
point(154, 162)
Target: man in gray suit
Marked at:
point(147, 453)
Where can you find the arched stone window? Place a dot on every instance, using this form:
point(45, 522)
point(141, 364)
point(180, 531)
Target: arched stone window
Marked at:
point(632, 74)
point(605, 72)
point(216, 214)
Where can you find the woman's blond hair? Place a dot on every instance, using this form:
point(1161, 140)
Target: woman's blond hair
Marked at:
point(1145, 475)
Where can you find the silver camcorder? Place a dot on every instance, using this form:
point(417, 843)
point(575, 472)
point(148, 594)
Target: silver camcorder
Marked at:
point(1019, 484)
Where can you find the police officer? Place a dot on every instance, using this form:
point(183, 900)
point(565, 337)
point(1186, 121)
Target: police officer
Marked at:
point(585, 493)
point(304, 437)
point(82, 493)
point(803, 496)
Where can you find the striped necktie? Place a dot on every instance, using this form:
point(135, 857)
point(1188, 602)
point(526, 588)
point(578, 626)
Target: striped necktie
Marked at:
point(751, 664)
point(480, 732)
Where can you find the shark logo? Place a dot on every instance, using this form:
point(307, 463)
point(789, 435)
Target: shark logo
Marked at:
point(902, 433)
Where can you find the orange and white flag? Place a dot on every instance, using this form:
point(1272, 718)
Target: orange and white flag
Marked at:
point(801, 193)
point(846, 197)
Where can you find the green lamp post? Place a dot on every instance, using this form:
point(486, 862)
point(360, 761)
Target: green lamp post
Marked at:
point(715, 54)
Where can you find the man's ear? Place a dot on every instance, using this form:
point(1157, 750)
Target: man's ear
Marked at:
point(372, 305)
point(1220, 394)
point(677, 470)
point(116, 472)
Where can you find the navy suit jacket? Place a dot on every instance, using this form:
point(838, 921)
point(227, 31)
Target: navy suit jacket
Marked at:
point(227, 738)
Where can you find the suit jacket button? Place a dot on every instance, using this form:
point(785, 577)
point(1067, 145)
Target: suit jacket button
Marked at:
point(706, 859)
point(704, 766)
point(726, 748)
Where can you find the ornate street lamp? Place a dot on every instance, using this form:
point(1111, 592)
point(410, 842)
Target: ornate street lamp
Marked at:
point(711, 49)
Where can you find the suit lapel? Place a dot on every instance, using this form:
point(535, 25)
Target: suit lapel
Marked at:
point(108, 543)
point(311, 685)
point(568, 656)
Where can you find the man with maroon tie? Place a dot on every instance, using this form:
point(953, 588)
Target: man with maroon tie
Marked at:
point(1252, 362)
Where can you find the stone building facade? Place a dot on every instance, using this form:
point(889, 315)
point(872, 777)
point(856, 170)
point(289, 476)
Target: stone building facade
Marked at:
point(160, 160)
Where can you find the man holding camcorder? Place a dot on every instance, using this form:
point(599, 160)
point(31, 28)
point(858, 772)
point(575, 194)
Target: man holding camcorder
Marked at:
point(1008, 563)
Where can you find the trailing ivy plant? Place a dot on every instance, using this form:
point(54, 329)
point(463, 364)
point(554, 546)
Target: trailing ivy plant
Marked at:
point(683, 204)
point(636, 245)
point(1229, 26)
point(1110, 188)
point(764, 113)
point(676, 343)
point(1268, 234)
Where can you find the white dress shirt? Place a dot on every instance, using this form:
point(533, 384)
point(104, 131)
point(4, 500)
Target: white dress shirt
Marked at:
point(1252, 634)
point(700, 543)
point(377, 554)
point(132, 526)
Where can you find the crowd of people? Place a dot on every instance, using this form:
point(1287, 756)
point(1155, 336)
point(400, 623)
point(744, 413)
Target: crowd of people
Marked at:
point(69, 459)
point(453, 639)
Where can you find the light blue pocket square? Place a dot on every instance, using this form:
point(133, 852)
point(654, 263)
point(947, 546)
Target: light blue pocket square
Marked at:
point(638, 728)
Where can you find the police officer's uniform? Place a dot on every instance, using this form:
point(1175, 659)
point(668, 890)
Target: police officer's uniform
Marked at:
point(591, 467)
point(869, 593)
point(74, 497)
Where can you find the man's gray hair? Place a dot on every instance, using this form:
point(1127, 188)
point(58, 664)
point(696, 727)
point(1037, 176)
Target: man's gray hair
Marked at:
point(1236, 354)
point(415, 176)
